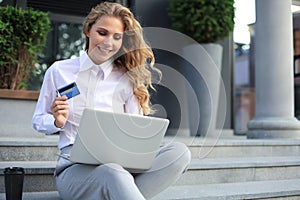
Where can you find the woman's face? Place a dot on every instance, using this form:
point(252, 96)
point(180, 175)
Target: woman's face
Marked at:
point(105, 38)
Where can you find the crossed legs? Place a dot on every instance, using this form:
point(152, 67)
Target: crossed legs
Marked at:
point(112, 182)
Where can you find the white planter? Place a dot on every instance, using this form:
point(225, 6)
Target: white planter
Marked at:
point(205, 79)
point(16, 111)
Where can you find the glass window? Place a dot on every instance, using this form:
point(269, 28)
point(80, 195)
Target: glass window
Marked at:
point(66, 40)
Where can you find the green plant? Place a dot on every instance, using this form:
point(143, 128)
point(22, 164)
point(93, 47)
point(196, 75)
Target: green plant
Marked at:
point(206, 21)
point(23, 34)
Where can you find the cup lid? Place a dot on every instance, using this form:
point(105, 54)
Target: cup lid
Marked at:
point(14, 170)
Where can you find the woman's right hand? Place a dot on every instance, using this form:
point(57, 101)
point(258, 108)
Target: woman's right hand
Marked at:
point(60, 111)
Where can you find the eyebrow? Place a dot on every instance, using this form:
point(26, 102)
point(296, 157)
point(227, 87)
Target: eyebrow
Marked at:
point(102, 28)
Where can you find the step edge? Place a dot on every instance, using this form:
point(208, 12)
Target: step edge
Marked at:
point(249, 162)
point(196, 164)
point(51, 140)
point(234, 195)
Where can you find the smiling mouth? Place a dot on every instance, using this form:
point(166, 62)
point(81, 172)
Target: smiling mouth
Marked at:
point(104, 50)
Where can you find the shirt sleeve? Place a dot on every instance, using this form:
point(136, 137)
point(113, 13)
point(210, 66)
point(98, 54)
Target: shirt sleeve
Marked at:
point(43, 120)
point(132, 105)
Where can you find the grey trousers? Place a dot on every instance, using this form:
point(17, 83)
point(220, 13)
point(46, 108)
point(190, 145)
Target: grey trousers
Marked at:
point(112, 182)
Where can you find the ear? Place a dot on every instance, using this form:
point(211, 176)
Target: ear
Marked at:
point(87, 34)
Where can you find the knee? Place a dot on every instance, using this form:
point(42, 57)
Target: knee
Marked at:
point(113, 171)
point(181, 155)
point(112, 166)
point(182, 151)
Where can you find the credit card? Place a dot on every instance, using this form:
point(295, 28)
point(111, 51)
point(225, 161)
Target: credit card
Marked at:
point(70, 90)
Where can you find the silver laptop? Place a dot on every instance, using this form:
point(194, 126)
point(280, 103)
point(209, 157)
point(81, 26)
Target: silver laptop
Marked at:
point(129, 140)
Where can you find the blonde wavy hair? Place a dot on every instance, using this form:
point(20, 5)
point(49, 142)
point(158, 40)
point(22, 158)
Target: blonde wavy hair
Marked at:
point(135, 55)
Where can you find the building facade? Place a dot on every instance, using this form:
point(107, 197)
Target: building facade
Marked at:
point(66, 40)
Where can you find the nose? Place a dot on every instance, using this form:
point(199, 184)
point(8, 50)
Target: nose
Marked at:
point(107, 42)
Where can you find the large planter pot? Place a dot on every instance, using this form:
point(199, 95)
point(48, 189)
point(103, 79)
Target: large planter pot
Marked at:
point(16, 111)
point(204, 75)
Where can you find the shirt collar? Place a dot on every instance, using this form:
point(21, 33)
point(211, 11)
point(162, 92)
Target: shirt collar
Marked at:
point(86, 63)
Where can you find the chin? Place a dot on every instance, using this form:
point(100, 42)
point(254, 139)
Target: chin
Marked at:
point(103, 59)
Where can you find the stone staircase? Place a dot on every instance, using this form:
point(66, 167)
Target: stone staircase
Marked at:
point(230, 167)
point(237, 168)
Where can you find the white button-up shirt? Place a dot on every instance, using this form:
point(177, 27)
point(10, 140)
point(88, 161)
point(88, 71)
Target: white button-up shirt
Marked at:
point(102, 87)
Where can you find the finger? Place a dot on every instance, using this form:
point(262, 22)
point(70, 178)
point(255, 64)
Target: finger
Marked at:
point(53, 106)
point(61, 107)
point(59, 101)
point(63, 98)
point(61, 112)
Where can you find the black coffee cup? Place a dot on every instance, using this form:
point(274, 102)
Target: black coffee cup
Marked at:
point(14, 177)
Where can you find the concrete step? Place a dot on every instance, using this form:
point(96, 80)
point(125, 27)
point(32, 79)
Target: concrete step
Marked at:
point(53, 195)
point(39, 174)
point(229, 170)
point(45, 149)
point(29, 149)
point(238, 146)
point(276, 189)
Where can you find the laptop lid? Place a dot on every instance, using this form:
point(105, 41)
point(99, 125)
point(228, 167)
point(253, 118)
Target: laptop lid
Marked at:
point(129, 140)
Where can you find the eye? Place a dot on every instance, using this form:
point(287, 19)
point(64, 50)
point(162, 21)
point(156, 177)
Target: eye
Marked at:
point(101, 33)
point(118, 36)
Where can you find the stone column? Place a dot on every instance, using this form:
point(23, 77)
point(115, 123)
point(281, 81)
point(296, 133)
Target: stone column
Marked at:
point(274, 82)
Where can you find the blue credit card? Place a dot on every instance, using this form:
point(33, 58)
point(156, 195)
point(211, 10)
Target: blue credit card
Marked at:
point(70, 90)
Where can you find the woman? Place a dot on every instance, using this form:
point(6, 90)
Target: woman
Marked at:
point(111, 75)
